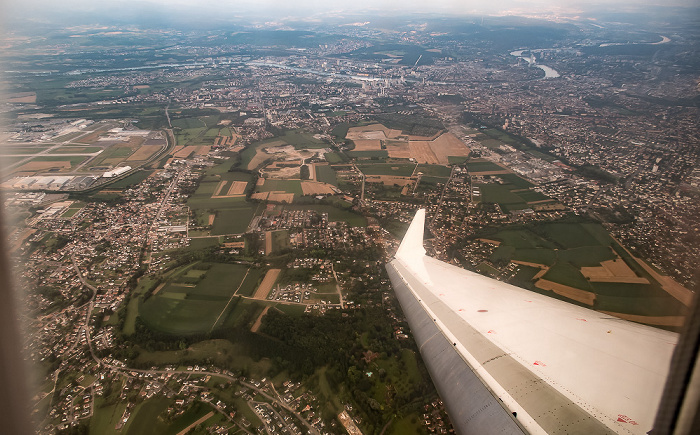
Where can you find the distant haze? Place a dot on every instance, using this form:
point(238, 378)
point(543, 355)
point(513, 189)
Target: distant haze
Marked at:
point(278, 9)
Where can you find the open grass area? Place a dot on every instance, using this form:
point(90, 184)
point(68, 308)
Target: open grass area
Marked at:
point(499, 194)
point(378, 154)
point(456, 160)
point(273, 185)
point(567, 274)
point(396, 169)
point(326, 174)
point(106, 417)
point(483, 166)
point(435, 170)
point(516, 181)
point(333, 158)
point(531, 196)
point(191, 304)
point(131, 180)
point(144, 417)
point(565, 247)
point(233, 220)
point(301, 140)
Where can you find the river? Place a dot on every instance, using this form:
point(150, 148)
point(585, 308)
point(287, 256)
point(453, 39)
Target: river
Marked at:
point(549, 73)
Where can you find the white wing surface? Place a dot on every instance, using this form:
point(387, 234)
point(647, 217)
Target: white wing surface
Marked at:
point(507, 360)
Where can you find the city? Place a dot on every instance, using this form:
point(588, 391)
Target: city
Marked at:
point(200, 219)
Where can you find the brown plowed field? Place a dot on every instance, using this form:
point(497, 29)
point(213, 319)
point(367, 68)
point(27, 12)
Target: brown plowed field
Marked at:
point(423, 153)
point(237, 188)
point(266, 285)
point(315, 188)
point(448, 144)
point(144, 153)
point(367, 145)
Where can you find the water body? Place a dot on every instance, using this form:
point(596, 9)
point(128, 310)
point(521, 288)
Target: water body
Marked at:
point(320, 73)
point(549, 73)
point(664, 40)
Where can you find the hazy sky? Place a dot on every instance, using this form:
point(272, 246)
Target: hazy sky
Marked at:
point(311, 6)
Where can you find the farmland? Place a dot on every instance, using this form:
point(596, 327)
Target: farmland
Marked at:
point(194, 295)
point(569, 256)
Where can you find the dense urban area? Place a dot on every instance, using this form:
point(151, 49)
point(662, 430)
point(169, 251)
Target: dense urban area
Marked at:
point(200, 219)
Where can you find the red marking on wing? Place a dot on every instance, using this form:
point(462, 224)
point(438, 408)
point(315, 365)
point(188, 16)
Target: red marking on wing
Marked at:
point(491, 331)
point(539, 363)
point(624, 419)
point(583, 320)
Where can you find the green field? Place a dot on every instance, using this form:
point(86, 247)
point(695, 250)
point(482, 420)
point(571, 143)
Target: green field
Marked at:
point(516, 181)
point(233, 220)
point(302, 140)
point(435, 170)
point(275, 185)
point(333, 158)
point(566, 247)
point(499, 194)
point(396, 169)
point(71, 149)
point(189, 304)
point(381, 154)
point(144, 418)
point(531, 196)
point(280, 240)
point(131, 180)
point(484, 166)
point(326, 174)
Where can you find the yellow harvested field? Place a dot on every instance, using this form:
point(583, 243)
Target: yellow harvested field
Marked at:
point(446, 145)
point(398, 150)
point(578, 295)
point(22, 97)
point(203, 150)
point(266, 285)
point(258, 321)
point(612, 271)
point(372, 131)
point(650, 320)
point(676, 290)
point(316, 188)
point(44, 166)
point(141, 87)
point(261, 156)
point(281, 197)
point(144, 153)
point(423, 152)
point(237, 188)
point(367, 145)
point(212, 216)
point(260, 196)
point(260, 182)
point(185, 152)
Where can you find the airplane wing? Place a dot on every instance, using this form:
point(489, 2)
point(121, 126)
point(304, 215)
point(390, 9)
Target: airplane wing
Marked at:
point(508, 360)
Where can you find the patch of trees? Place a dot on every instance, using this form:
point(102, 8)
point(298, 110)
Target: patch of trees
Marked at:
point(304, 172)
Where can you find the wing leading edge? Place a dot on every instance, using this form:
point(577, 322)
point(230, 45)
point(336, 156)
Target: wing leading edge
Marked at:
point(507, 360)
